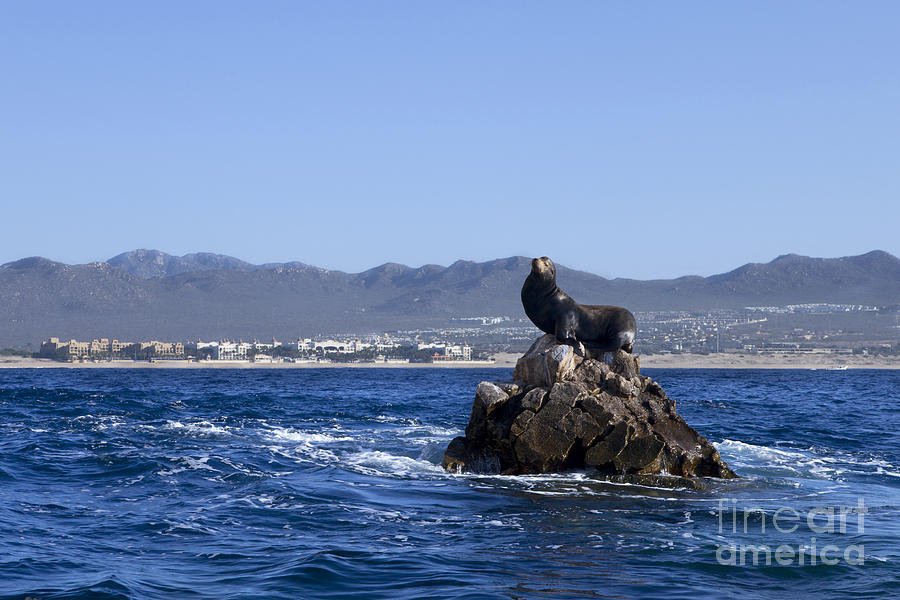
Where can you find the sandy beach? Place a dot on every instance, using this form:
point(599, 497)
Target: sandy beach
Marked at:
point(505, 361)
point(768, 361)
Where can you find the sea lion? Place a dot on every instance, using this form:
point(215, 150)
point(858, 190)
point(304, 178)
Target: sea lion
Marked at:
point(599, 328)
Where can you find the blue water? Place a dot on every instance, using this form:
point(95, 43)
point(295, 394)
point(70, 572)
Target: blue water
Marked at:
point(326, 484)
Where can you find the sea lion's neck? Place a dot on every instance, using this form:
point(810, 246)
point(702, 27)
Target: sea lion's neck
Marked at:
point(541, 286)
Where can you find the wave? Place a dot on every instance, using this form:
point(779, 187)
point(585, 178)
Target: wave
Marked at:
point(296, 435)
point(107, 588)
point(187, 463)
point(428, 433)
point(812, 462)
point(203, 428)
point(98, 422)
point(380, 463)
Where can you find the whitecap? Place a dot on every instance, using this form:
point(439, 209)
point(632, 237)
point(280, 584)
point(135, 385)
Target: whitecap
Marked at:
point(307, 437)
point(376, 462)
point(200, 427)
point(306, 452)
point(795, 462)
point(189, 464)
point(882, 471)
point(808, 462)
point(382, 516)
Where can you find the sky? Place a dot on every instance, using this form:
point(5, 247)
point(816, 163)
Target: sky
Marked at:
point(643, 140)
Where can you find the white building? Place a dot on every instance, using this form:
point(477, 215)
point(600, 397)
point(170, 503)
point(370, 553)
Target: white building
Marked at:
point(438, 346)
point(331, 346)
point(301, 345)
point(257, 345)
point(358, 345)
point(463, 352)
point(448, 352)
point(386, 343)
point(232, 350)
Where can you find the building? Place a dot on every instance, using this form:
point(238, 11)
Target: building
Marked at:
point(104, 349)
point(53, 348)
point(331, 346)
point(154, 350)
point(384, 344)
point(446, 351)
point(300, 345)
point(463, 352)
point(232, 350)
point(119, 349)
point(73, 350)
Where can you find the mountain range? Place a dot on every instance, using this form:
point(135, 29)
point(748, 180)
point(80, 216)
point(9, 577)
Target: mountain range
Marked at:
point(148, 294)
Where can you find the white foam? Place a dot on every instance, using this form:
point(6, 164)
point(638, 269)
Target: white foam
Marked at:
point(427, 434)
point(376, 462)
point(796, 462)
point(100, 422)
point(375, 514)
point(199, 428)
point(307, 452)
point(802, 462)
point(177, 526)
point(243, 469)
point(190, 464)
point(306, 437)
point(772, 454)
point(431, 430)
point(389, 419)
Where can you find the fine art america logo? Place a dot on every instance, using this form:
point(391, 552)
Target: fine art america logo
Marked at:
point(822, 521)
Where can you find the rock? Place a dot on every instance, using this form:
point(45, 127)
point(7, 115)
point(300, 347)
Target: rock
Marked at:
point(460, 457)
point(627, 365)
point(490, 396)
point(546, 362)
point(534, 399)
point(519, 424)
point(489, 399)
point(592, 370)
point(603, 454)
point(619, 386)
point(565, 412)
point(510, 387)
point(660, 481)
point(545, 443)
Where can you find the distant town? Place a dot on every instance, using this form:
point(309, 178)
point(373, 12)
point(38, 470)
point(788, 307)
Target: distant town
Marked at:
point(374, 349)
point(817, 328)
point(792, 329)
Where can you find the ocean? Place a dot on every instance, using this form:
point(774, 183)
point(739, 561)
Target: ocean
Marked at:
point(326, 483)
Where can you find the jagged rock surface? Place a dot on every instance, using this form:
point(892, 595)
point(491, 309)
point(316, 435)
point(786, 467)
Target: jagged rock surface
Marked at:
point(564, 411)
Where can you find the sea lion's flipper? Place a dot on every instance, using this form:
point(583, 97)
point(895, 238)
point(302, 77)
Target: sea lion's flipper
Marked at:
point(565, 334)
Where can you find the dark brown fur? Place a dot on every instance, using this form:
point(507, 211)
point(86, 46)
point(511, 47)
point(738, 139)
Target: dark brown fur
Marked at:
point(599, 328)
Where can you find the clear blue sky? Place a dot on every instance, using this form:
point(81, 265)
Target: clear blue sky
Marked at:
point(627, 139)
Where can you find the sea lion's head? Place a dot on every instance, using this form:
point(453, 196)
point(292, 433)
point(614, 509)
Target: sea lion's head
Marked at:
point(543, 268)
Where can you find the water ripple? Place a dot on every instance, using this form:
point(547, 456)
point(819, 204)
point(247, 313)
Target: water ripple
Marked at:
point(316, 484)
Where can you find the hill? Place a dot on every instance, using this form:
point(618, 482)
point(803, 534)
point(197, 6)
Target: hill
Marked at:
point(149, 294)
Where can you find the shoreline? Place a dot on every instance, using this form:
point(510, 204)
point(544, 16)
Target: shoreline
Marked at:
point(808, 362)
point(47, 363)
point(502, 361)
